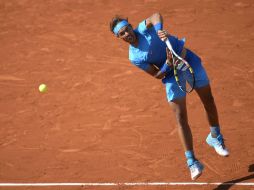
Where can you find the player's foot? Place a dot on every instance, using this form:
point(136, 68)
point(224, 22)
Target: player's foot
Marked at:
point(218, 144)
point(196, 170)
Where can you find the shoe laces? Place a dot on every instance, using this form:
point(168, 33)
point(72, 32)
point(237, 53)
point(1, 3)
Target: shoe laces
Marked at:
point(220, 141)
point(194, 166)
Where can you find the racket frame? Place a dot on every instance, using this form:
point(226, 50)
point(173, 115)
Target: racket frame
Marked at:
point(175, 65)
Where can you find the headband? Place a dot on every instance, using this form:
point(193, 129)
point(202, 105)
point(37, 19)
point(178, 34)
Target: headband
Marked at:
point(119, 26)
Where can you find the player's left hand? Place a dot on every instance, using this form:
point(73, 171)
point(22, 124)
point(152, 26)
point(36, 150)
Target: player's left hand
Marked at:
point(169, 58)
point(163, 34)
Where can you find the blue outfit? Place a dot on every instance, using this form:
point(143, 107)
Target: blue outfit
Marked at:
point(152, 50)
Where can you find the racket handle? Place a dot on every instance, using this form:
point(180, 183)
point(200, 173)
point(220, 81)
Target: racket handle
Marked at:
point(169, 44)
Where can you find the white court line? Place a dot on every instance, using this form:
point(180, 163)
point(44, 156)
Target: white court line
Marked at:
point(122, 184)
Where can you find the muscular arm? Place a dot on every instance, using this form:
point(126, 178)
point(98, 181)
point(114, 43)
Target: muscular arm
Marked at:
point(155, 72)
point(162, 72)
point(154, 19)
point(152, 69)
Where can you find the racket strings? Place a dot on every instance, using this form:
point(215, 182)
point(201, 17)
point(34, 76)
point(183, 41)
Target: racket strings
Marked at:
point(186, 79)
point(183, 72)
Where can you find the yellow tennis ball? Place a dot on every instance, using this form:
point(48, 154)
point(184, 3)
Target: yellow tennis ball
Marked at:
point(43, 88)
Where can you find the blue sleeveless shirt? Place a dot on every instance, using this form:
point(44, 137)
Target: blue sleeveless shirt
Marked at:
point(151, 49)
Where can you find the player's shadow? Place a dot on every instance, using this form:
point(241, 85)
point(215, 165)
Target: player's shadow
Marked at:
point(226, 185)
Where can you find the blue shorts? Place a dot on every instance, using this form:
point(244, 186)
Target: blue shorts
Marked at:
point(201, 78)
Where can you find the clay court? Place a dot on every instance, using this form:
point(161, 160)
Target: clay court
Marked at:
point(102, 119)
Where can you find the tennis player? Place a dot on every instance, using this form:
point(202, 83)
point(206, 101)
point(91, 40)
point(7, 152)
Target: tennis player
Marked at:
point(147, 50)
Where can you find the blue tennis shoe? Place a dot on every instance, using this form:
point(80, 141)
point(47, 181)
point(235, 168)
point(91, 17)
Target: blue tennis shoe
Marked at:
point(218, 144)
point(196, 170)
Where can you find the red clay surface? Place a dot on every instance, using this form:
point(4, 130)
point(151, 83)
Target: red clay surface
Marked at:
point(104, 120)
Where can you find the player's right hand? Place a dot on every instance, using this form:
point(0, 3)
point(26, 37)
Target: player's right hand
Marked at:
point(163, 34)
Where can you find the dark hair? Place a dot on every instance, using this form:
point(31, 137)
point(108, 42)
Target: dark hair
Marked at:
point(114, 22)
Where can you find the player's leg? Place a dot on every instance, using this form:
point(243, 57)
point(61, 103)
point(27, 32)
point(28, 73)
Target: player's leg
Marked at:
point(177, 101)
point(184, 131)
point(202, 87)
point(207, 99)
point(179, 108)
point(215, 138)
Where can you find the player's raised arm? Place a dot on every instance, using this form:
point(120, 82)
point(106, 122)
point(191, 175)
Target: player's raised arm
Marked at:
point(156, 21)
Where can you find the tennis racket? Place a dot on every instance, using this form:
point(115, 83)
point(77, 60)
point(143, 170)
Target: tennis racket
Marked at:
point(183, 72)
